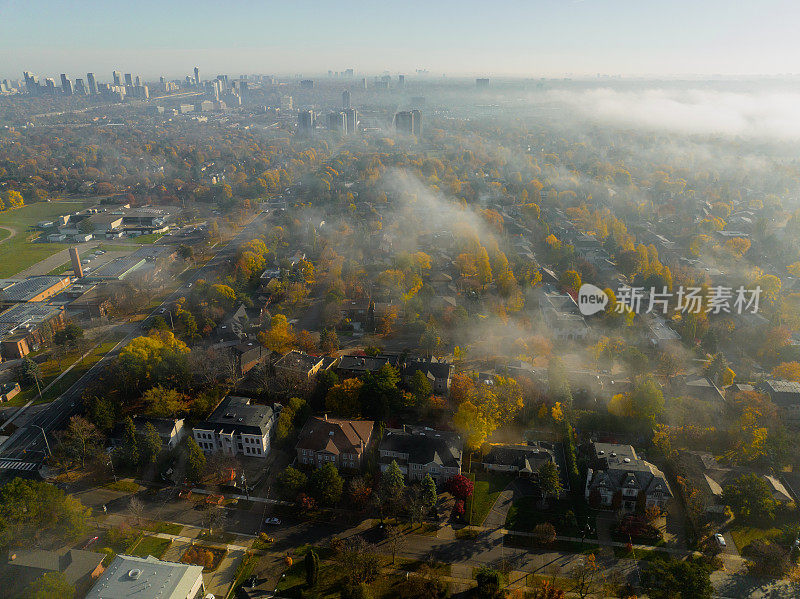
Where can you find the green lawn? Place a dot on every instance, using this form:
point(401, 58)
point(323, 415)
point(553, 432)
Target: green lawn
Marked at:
point(487, 488)
point(4, 233)
point(525, 513)
point(164, 527)
point(743, 535)
point(21, 252)
point(150, 546)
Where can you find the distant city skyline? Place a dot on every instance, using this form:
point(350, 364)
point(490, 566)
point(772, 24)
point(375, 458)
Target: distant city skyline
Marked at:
point(510, 38)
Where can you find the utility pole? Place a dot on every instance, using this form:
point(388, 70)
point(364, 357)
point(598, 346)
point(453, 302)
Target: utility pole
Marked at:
point(44, 434)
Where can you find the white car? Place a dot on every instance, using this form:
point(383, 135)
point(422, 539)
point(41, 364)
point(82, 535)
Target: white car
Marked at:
point(272, 521)
point(720, 540)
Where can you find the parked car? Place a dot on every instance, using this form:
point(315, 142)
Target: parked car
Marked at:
point(720, 540)
point(272, 521)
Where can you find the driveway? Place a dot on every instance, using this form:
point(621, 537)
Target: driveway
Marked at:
point(496, 518)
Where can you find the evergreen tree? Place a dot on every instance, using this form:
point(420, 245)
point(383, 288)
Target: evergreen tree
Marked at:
point(312, 567)
point(195, 461)
point(429, 494)
point(129, 452)
point(150, 445)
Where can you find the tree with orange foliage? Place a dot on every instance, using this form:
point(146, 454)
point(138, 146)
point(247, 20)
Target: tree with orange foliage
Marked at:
point(460, 387)
point(789, 371)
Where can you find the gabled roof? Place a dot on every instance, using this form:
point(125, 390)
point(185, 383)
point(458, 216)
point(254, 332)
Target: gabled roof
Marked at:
point(73, 563)
point(335, 436)
point(424, 445)
point(526, 458)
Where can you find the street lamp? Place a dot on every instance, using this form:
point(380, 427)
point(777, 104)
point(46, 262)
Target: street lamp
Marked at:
point(44, 434)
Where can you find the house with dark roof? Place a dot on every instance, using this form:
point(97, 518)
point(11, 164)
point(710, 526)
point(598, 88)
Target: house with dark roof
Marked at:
point(237, 427)
point(785, 394)
point(247, 355)
point(523, 460)
point(79, 567)
point(619, 479)
point(298, 365)
point(235, 326)
point(351, 366)
point(439, 373)
point(332, 440)
point(421, 450)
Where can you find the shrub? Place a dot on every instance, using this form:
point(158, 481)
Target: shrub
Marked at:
point(356, 591)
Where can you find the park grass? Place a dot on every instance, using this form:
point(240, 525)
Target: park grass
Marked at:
point(743, 535)
point(22, 251)
point(487, 488)
point(4, 233)
point(148, 545)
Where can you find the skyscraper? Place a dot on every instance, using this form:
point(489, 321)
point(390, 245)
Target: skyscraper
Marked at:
point(117, 77)
point(401, 81)
point(197, 76)
point(128, 80)
point(305, 122)
point(351, 115)
point(66, 85)
point(92, 83)
point(404, 122)
point(346, 99)
point(416, 124)
point(337, 121)
point(80, 88)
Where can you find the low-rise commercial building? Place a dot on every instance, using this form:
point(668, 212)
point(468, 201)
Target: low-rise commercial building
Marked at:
point(130, 577)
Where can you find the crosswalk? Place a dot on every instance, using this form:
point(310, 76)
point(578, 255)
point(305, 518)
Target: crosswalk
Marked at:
point(14, 465)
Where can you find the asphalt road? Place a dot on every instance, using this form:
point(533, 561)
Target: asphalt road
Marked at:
point(30, 444)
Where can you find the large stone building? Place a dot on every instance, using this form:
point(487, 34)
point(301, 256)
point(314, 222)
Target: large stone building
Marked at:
point(419, 451)
point(333, 440)
point(617, 478)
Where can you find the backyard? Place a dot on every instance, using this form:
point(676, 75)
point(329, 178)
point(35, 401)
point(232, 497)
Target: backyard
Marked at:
point(567, 517)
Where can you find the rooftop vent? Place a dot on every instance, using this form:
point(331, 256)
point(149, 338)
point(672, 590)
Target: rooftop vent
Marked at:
point(627, 460)
point(135, 573)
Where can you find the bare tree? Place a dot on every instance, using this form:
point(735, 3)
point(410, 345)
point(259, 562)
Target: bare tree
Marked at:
point(395, 537)
point(214, 518)
point(136, 509)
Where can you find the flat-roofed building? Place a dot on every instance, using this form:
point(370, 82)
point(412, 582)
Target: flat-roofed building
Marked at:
point(32, 289)
point(130, 577)
point(23, 326)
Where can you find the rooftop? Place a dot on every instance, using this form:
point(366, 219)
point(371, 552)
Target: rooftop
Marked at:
point(32, 313)
point(424, 445)
point(140, 577)
point(334, 435)
point(26, 289)
point(298, 361)
point(238, 414)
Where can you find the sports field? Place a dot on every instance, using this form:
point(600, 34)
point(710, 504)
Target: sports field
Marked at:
point(19, 251)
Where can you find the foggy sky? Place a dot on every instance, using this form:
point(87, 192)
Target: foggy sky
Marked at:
point(466, 37)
